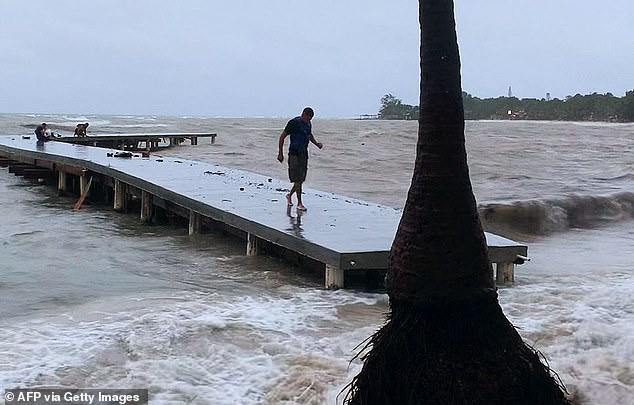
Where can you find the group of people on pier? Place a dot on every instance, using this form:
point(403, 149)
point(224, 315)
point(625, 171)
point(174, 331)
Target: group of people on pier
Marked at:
point(43, 134)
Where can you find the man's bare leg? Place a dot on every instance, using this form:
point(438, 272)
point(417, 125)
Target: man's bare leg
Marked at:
point(300, 206)
point(289, 196)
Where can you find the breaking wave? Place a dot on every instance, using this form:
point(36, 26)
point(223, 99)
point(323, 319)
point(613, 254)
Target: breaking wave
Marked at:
point(549, 216)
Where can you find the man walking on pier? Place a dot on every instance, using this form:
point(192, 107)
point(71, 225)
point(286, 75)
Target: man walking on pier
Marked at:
point(300, 131)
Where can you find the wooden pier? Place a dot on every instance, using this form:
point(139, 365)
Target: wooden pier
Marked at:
point(136, 142)
point(344, 236)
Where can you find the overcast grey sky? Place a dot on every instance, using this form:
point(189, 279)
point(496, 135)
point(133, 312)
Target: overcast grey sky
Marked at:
point(273, 57)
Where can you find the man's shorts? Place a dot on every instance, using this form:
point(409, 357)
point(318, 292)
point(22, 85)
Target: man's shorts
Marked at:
point(297, 168)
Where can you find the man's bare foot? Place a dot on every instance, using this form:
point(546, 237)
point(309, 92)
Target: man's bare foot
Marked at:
point(301, 208)
point(289, 201)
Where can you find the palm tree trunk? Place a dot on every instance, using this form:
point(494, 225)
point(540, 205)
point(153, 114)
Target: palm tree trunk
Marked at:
point(440, 232)
point(446, 340)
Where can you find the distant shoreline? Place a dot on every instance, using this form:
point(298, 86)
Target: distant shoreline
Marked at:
point(578, 108)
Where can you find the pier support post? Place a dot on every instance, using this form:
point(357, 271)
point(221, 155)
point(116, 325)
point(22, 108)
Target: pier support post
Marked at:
point(61, 183)
point(146, 207)
point(120, 191)
point(253, 245)
point(107, 194)
point(83, 182)
point(334, 277)
point(505, 273)
point(195, 223)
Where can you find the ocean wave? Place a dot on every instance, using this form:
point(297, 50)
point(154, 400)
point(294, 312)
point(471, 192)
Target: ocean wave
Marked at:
point(69, 124)
point(540, 217)
point(626, 176)
point(137, 117)
point(138, 125)
point(75, 118)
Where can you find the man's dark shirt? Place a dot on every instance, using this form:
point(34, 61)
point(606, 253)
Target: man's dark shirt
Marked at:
point(300, 133)
point(40, 133)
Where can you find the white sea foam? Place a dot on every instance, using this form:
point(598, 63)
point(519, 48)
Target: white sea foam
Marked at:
point(183, 347)
point(574, 303)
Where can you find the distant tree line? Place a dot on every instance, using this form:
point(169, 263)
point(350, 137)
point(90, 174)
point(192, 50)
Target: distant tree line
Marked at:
point(393, 108)
point(591, 107)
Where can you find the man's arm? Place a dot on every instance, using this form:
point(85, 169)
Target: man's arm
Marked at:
point(318, 144)
point(280, 150)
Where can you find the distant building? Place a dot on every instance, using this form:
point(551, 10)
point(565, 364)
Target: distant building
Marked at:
point(369, 116)
point(518, 115)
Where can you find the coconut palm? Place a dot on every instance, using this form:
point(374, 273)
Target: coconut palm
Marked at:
point(446, 339)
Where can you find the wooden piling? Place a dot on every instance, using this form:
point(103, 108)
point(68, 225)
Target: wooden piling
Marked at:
point(84, 193)
point(334, 277)
point(120, 197)
point(83, 182)
point(146, 207)
point(195, 222)
point(61, 183)
point(253, 245)
point(505, 273)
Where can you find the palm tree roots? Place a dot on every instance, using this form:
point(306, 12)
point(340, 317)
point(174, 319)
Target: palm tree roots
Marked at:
point(462, 352)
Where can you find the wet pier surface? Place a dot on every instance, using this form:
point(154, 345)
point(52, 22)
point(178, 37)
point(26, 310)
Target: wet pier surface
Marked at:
point(341, 232)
